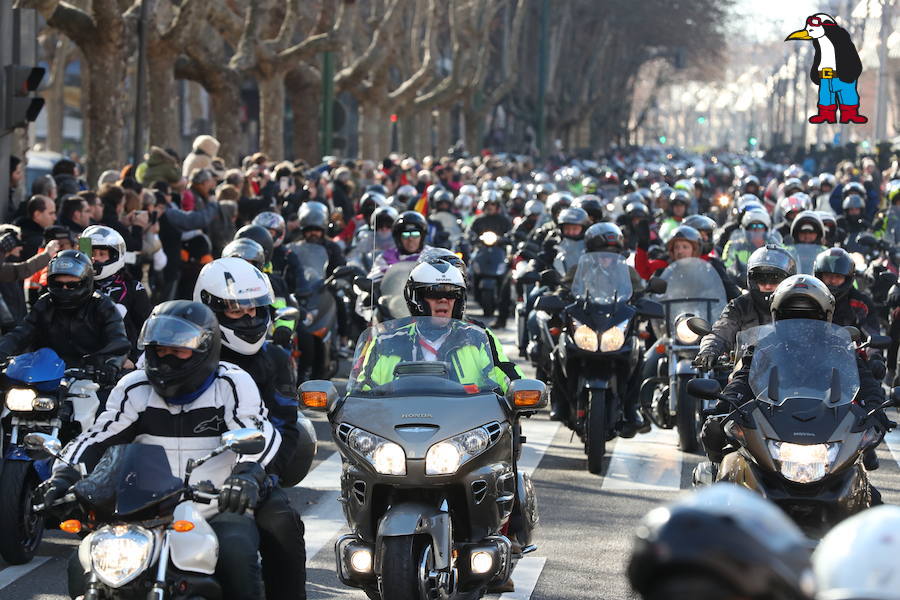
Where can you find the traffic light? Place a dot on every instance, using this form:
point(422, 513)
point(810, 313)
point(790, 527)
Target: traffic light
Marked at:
point(22, 106)
point(701, 120)
point(752, 140)
point(662, 139)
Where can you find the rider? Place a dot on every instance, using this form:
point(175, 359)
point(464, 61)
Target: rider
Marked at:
point(283, 262)
point(313, 226)
point(790, 207)
point(184, 400)
point(81, 325)
point(491, 217)
point(113, 280)
point(240, 296)
point(756, 225)
point(408, 232)
point(767, 267)
point(852, 307)
point(676, 210)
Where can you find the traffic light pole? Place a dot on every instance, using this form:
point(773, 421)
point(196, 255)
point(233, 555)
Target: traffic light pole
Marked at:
point(6, 137)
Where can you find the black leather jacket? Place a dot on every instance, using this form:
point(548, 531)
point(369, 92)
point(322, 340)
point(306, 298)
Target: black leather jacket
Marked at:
point(92, 334)
point(740, 314)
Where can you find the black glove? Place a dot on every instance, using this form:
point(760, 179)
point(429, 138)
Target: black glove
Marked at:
point(242, 488)
point(713, 437)
point(643, 234)
point(282, 336)
point(705, 361)
point(58, 486)
point(882, 423)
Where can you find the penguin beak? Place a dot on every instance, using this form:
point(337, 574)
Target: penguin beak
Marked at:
point(800, 34)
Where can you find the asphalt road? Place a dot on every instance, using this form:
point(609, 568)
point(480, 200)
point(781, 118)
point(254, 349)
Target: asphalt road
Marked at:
point(584, 537)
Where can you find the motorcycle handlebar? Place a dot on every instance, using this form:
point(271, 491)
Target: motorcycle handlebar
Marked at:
point(67, 499)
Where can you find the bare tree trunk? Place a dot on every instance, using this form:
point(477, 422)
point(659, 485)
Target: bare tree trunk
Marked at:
point(54, 94)
point(412, 131)
point(305, 96)
point(163, 98)
point(105, 110)
point(271, 115)
point(225, 97)
point(372, 125)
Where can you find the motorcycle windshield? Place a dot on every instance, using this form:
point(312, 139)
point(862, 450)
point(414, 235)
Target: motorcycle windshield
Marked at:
point(313, 260)
point(802, 358)
point(422, 356)
point(805, 255)
point(131, 480)
point(568, 254)
point(449, 222)
point(694, 287)
point(395, 278)
point(602, 277)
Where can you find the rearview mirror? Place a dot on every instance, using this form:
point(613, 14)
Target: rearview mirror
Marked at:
point(43, 442)
point(699, 325)
point(895, 396)
point(649, 309)
point(526, 395)
point(317, 394)
point(364, 283)
point(708, 389)
point(244, 441)
point(344, 271)
point(879, 342)
point(550, 304)
point(287, 313)
point(655, 285)
point(855, 334)
point(550, 278)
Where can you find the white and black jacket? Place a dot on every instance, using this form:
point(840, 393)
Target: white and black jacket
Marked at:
point(135, 413)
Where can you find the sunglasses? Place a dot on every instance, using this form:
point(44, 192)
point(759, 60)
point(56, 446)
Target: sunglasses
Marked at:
point(448, 292)
point(65, 285)
point(817, 22)
point(411, 234)
point(756, 227)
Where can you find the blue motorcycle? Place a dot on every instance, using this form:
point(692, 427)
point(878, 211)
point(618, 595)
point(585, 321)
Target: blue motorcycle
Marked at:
point(39, 395)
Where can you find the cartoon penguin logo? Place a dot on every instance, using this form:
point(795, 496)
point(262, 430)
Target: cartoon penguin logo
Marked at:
point(835, 69)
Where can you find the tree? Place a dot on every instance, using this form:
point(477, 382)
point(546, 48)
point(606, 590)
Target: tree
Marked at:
point(57, 51)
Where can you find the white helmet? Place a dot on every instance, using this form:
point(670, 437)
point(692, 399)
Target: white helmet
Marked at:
point(435, 277)
point(232, 284)
point(469, 190)
point(756, 216)
point(858, 558)
point(464, 202)
point(102, 236)
point(274, 223)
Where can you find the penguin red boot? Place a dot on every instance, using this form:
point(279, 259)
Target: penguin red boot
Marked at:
point(827, 114)
point(849, 114)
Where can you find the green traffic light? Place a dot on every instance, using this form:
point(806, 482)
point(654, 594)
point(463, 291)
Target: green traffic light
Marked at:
point(662, 139)
point(753, 141)
point(701, 120)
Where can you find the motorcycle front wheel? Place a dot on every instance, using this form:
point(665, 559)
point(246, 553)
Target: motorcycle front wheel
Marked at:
point(21, 529)
point(595, 440)
point(687, 417)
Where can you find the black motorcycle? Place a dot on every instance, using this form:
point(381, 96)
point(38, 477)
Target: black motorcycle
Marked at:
point(490, 270)
point(598, 353)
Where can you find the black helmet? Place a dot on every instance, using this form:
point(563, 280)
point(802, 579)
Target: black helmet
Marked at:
point(180, 324)
point(408, 223)
point(248, 249)
point(405, 194)
point(260, 235)
point(72, 294)
point(802, 297)
point(721, 543)
point(369, 203)
point(628, 186)
point(591, 205)
point(854, 187)
point(448, 256)
point(838, 262)
point(313, 215)
point(604, 237)
point(679, 197)
point(687, 234)
point(769, 264)
point(384, 216)
point(808, 221)
point(574, 216)
point(748, 182)
point(853, 201)
point(556, 202)
point(635, 207)
point(702, 224)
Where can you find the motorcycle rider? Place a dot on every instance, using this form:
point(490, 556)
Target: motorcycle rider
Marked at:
point(789, 208)
point(491, 217)
point(184, 388)
point(283, 262)
point(80, 324)
point(766, 268)
point(676, 210)
point(836, 269)
point(534, 210)
point(313, 226)
point(756, 225)
point(240, 295)
point(853, 220)
point(113, 280)
point(797, 297)
point(408, 232)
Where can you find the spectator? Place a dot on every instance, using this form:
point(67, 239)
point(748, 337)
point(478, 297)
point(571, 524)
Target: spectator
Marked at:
point(129, 225)
point(40, 213)
point(75, 213)
point(203, 151)
point(202, 184)
point(65, 174)
point(95, 206)
point(44, 185)
point(107, 178)
point(15, 178)
point(161, 165)
point(342, 192)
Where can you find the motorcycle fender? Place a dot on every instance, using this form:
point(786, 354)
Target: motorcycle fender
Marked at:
point(735, 468)
point(684, 367)
point(415, 518)
point(84, 553)
point(196, 550)
point(596, 383)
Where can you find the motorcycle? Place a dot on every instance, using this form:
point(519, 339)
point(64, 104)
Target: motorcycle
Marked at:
point(391, 303)
point(319, 309)
point(489, 268)
point(430, 480)
point(147, 537)
point(40, 395)
point(598, 352)
point(693, 289)
point(451, 227)
point(800, 439)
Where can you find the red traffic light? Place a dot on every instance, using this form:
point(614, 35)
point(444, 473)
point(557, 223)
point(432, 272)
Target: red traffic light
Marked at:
point(394, 118)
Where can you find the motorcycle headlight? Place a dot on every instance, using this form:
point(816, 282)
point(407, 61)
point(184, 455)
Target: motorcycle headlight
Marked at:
point(586, 338)
point(613, 338)
point(447, 456)
point(120, 553)
point(385, 456)
point(803, 463)
point(20, 399)
point(683, 333)
point(489, 238)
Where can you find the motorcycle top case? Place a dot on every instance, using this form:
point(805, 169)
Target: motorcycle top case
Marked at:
point(43, 369)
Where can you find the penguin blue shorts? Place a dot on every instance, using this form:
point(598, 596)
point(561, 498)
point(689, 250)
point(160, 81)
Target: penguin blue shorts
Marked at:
point(834, 88)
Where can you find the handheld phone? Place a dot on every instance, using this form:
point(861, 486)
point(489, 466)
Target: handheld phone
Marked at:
point(85, 246)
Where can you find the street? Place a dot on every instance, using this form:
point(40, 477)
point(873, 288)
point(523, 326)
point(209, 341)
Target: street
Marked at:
point(584, 535)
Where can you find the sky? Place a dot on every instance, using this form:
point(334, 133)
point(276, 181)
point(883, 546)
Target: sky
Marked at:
point(774, 19)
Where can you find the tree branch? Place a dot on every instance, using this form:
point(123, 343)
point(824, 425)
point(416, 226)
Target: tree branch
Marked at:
point(74, 23)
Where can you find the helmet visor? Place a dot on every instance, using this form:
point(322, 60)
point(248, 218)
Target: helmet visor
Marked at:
point(443, 291)
point(173, 332)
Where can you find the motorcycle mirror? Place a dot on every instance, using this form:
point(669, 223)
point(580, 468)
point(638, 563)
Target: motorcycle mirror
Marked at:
point(244, 441)
point(708, 389)
point(288, 313)
point(699, 325)
point(855, 334)
point(649, 309)
point(895, 397)
point(655, 285)
point(550, 304)
point(44, 442)
point(364, 283)
point(550, 278)
point(772, 390)
point(526, 395)
point(879, 342)
point(317, 394)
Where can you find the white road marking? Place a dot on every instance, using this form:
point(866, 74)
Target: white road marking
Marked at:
point(10, 574)
point(325, 476)
point(539, 433)
point(650, 461)
point(525, 576)
point(322, 522)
